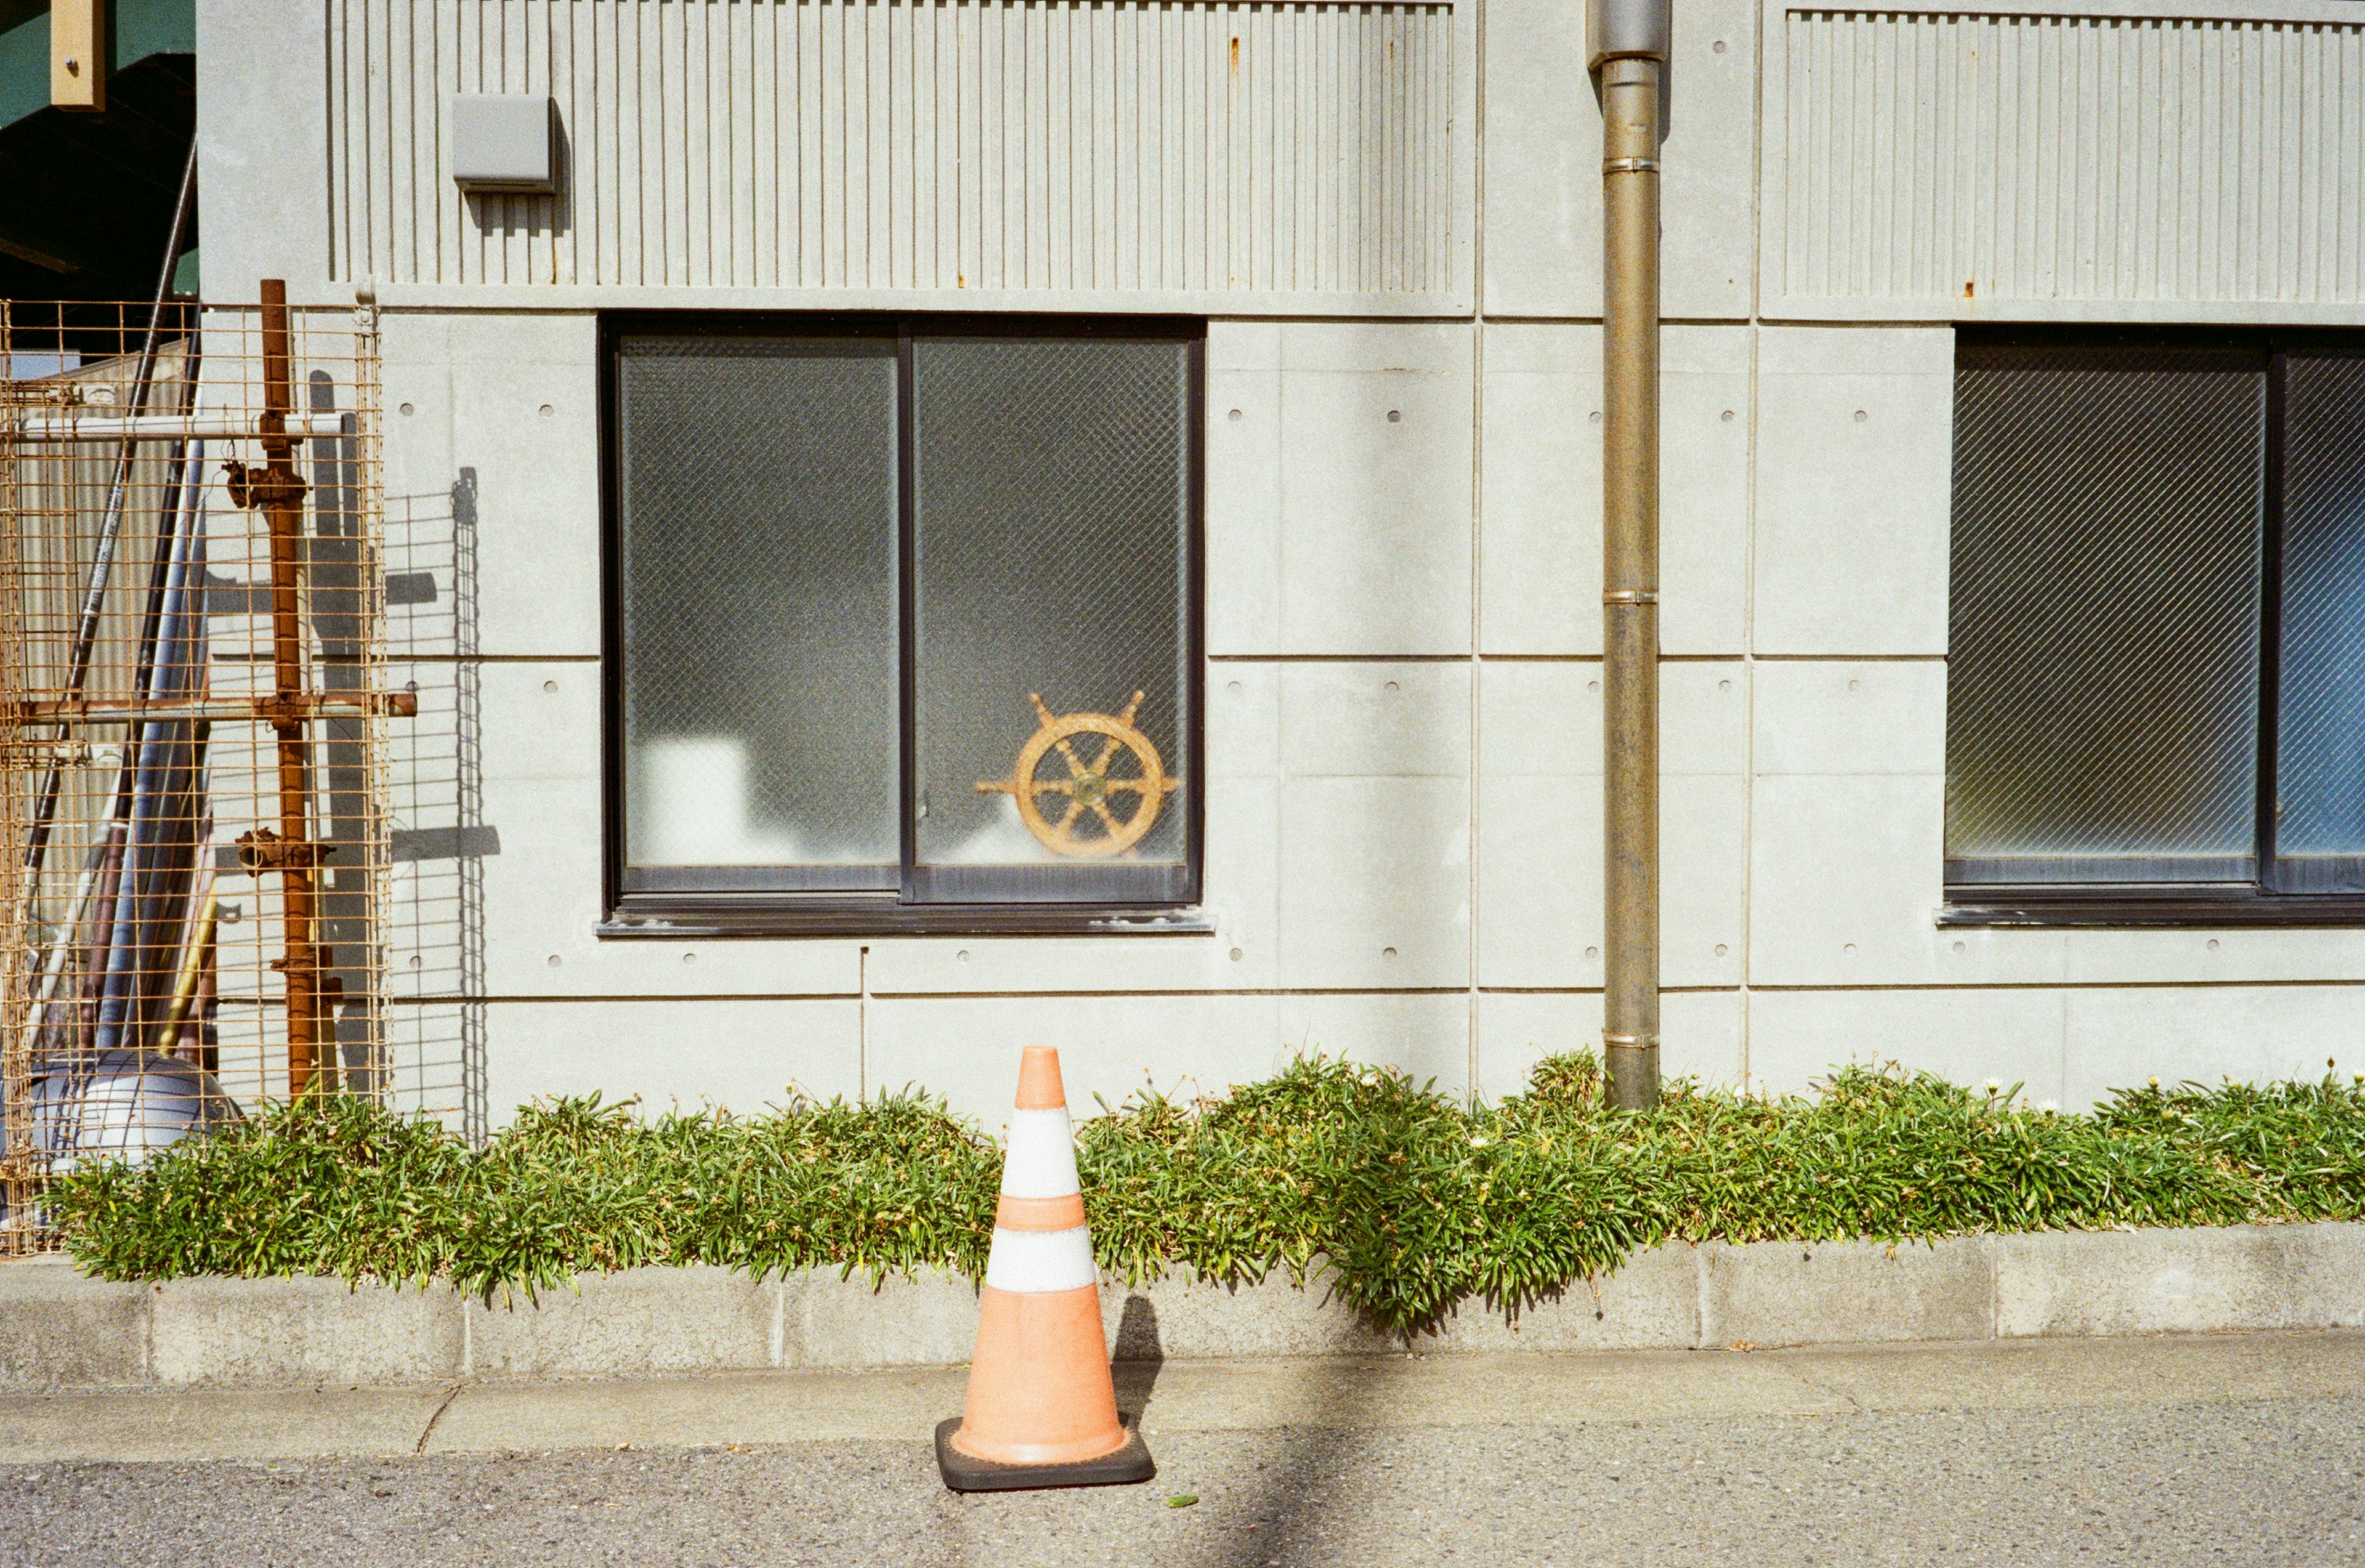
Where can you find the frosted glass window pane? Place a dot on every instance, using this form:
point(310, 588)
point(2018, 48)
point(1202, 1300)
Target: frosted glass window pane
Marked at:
point(1051, 499)
point(2103, 671)
point(758, 531)
point(2320, 739)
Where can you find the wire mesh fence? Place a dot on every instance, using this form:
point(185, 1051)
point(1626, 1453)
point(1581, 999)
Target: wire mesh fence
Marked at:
point(193, 708)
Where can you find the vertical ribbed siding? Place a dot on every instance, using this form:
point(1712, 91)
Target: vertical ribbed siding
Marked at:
point(990, 144)
point(2069, 158)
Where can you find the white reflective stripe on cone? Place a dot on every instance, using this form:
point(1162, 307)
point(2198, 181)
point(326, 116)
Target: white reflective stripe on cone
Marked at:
point(1042, 1158)
point(1034, 1262)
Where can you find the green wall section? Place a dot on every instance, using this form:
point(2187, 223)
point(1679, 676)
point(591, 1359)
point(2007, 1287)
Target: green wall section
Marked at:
point(135, 30)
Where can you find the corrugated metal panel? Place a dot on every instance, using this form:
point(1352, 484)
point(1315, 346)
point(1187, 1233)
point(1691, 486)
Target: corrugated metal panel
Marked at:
point(838, 144)
point(2074, 158)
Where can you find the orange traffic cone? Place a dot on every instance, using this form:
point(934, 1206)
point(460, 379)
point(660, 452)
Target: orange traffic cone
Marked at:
point(1042, 1407)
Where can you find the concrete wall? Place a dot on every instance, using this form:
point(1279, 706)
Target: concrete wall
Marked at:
point(1403, 782)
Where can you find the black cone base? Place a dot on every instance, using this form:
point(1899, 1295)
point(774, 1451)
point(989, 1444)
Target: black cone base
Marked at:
point(962, 1473)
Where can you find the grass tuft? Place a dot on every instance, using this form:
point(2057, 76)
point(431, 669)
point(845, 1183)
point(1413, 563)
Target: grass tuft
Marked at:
point(1416, 1201)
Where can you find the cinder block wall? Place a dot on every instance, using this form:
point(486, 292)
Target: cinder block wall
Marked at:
point(1403, 780)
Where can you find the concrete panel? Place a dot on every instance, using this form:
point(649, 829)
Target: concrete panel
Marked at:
point(1374, 721)
point(1541, 555)
point(1772, 1293)
point(966, 1048)
point(2006, 1037)
point(1374, 526)
point(302, 1330)
point(2200, 1281)
point(2120, 1036)
point(59, 1328)
point(1540, 825)
point(1426, 1036)
point(737, 1053)
point(1845, 881)
point(1854, 449)
point(525, 422)
point(1708, 162)
point(261, 123)
point(1700, 1034)
point(1852, 716)
point(492, 479)
point(1374, 813)
point(1543, 220)
point(2221, 957)
point(1243, 499)
point(1703, 490)
point(1375, 882)
point(636, 1323)
point(1543, 162)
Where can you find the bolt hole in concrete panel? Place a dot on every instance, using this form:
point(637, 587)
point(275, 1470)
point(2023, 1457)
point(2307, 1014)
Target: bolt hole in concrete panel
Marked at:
point(548, 410)
point(1395, 416)
point(550, 686)
point(500, 141)
point(1862, 415)
point(1236, 955)
point(1236, 416)
point(407, 409)
point(1388, 954)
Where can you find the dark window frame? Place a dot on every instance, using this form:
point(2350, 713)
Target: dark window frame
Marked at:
point(2254, 902)
point(677, 914)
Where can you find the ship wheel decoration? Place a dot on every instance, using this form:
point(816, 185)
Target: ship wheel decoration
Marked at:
point(1086, 818)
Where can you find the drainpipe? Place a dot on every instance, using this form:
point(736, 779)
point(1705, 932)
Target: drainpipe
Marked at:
point(1626, 46)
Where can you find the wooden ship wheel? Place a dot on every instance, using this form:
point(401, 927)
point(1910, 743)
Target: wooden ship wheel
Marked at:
point(1080, 822)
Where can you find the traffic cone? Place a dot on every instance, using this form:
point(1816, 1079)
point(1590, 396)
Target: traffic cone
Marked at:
point(1042, 1407)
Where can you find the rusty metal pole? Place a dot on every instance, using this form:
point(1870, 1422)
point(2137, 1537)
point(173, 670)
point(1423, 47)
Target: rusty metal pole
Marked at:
point(280, 492)
point(1627, 46)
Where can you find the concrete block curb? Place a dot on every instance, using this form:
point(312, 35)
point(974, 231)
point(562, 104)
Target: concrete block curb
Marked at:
point(60, 1330)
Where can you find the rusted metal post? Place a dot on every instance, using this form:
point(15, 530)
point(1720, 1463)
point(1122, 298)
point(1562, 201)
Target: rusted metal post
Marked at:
point(1627, 45)
point(280, 492)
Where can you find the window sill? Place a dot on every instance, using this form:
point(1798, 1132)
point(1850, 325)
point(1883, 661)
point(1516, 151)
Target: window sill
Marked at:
point(676, 919)
point(2126, 908)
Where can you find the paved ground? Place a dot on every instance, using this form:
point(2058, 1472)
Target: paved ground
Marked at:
point(2230, 1450)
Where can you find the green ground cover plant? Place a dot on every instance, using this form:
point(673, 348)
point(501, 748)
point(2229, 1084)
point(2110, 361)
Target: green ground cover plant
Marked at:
point(1416, 1200)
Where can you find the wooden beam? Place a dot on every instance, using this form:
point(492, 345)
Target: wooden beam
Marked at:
point(78, 54)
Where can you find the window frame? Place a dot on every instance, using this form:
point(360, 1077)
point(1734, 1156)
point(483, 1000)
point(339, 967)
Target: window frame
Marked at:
point(2254, 902)
point(681, 913)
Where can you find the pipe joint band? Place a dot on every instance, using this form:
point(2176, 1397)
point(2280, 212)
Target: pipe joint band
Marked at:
point(1630, 166)
point(1631, 596)
point(1628, 1042)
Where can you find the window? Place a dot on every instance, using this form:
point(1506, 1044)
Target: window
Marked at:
point(903, 627)
point(2156, 674)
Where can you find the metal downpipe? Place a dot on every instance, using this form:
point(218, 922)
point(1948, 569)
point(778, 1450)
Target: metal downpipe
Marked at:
point(1628, 46)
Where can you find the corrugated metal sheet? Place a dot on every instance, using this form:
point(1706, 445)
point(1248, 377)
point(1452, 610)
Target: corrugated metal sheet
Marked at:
point(838, 144)
point(1965, 158)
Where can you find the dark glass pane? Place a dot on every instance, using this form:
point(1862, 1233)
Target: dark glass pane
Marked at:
point(759, 623)
point(2103, 669)
point(1051, 488)
point(2320, 737)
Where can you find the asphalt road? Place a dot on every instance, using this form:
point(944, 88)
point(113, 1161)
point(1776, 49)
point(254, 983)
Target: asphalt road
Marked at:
point(2056, 1459)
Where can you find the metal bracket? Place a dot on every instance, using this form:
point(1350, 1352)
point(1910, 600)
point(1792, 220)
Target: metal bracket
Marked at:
point(1630, 166)
point(1631, 596)
point(264, 851)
